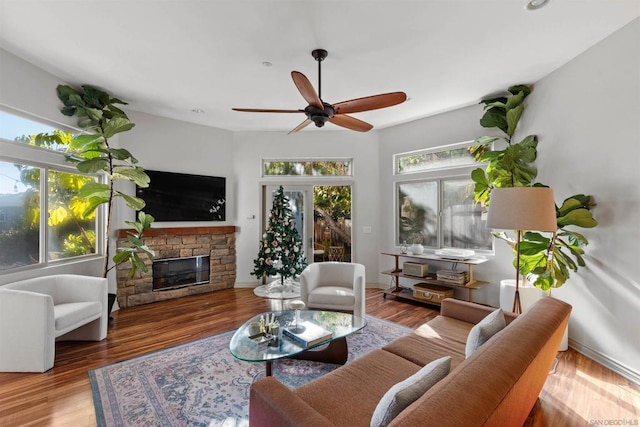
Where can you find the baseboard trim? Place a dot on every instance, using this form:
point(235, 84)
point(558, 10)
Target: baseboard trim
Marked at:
point(246, 285)
point(606, 361)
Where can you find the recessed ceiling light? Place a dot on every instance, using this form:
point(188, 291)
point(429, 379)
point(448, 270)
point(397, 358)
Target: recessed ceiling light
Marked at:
point(197, 111)
point(536, 4)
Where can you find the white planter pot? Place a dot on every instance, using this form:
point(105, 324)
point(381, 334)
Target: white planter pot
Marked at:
point(417, 249)
point(528, 296)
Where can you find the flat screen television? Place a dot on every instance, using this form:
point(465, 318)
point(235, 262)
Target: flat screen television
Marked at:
point(184, 197)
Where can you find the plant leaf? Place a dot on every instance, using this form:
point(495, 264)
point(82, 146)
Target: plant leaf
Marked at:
point(93, 165)
point(117, 125)
point(92, 204)
point(135, 174)
point(494, 117)
point(134, 203)
point(578, 217)
point(513, 117)
point(94, 189)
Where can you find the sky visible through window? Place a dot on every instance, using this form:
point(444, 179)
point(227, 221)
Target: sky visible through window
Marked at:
point(11, 127)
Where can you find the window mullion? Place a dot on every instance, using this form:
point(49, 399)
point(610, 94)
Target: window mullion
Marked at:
point(44, 215)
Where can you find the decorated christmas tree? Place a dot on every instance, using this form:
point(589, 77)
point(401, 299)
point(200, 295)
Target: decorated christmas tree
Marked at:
point(281, 250)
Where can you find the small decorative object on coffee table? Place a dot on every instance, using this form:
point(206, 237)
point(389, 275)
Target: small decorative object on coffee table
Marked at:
point(296, 326)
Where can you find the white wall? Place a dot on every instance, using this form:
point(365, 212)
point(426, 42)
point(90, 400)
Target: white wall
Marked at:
point(252, 147)
point(587, 117)
point(25, 87)
point(176, 146)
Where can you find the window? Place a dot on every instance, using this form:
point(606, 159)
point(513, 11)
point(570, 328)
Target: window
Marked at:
point(448, 157)
point(31, 178)
point(331, 167)
point(438, 210)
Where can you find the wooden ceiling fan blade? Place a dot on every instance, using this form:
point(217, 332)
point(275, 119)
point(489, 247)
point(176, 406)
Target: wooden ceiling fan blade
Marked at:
point(369, 103)
point(263, 110)
point(350, 123)
point(301, 126)
point(306, 89)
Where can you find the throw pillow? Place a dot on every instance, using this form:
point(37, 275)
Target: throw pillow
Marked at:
point(483, 330)
point(408, 391)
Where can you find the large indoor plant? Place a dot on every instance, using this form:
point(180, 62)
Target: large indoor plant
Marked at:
point(545, 260)
point(91, 152)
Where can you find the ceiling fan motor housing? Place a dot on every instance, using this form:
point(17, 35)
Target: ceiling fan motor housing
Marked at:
point(319, 116)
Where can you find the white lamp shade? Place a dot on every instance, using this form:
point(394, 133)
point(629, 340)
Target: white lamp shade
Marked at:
point(522, 208)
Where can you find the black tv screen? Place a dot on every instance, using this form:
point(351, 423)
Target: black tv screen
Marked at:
point(184, 197)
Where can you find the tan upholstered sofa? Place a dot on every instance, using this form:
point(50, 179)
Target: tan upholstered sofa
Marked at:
point(497, 385)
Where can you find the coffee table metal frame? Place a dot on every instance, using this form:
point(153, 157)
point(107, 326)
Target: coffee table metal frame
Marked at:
point(333, 350)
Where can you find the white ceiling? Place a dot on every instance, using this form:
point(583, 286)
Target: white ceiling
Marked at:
point(173, 56)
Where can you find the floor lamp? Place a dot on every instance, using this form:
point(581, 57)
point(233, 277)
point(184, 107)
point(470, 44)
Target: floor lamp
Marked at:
point(522, 208)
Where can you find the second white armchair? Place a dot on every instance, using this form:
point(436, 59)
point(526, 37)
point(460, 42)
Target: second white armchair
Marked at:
point(334, 286)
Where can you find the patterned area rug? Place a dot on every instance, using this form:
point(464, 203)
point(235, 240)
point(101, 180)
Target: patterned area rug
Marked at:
point(202, 384)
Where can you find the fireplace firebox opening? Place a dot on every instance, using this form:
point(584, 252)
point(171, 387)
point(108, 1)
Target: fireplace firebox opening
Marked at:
point(171, 273)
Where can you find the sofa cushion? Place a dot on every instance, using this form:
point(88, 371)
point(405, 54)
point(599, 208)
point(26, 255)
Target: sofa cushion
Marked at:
point(75, 314)
point(442, 336)
point(351, 387)
point(332, 295)
point(483, 330)
point(408, 391)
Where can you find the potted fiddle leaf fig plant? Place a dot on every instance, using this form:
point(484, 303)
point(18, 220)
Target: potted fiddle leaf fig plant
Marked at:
point(545, 260)
point(92, 152)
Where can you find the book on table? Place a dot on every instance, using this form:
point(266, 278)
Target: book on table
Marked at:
point(310, 334)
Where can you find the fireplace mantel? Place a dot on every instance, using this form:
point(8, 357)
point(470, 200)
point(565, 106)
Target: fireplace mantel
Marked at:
point(218, 243)
point(181, 231)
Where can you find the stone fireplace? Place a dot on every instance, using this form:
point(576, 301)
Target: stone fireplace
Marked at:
point(180, 255)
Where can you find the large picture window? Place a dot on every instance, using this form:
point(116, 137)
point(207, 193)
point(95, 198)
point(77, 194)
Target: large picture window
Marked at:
point(43, 218)
point(441, 213)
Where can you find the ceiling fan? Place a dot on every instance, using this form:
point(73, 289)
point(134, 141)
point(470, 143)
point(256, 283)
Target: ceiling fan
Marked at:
point(320, 112)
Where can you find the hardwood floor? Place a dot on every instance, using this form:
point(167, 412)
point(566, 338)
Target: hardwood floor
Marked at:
point(579, 393)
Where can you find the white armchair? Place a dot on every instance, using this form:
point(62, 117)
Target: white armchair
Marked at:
point(34, 313)
point(334, 286)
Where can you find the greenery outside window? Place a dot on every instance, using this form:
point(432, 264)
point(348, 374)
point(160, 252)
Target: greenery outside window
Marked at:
point(289, 167)
point(43, 215)
point(444, 157)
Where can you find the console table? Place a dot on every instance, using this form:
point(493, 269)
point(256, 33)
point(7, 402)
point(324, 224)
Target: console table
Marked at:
point(396, 274)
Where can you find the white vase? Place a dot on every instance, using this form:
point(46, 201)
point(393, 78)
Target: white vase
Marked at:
point(417, 249)
point(528, 296)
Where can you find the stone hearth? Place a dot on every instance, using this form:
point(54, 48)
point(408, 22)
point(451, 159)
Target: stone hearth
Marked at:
point(219, 243)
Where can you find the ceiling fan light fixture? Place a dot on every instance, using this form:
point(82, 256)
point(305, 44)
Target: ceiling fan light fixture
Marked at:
point(536, 4)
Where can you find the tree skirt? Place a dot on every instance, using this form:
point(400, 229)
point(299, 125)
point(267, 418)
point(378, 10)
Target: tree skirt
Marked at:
point(202, 384)
point(277, 290)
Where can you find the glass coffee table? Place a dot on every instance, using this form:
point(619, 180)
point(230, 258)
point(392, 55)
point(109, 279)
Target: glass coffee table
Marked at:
point(272, 347)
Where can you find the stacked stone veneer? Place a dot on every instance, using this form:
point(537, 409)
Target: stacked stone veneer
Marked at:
point(219, 243)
